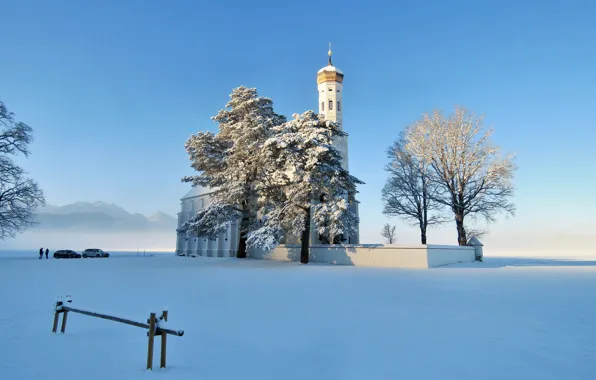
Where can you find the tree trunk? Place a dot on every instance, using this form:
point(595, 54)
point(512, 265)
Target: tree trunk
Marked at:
point(423, 213)
point(461, 231)
point(305, 239)
point(241, 253)
point(422, 226)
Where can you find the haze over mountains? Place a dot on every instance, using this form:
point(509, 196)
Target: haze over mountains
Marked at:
point(100, 216)
point(103, 225)
point(109, 226)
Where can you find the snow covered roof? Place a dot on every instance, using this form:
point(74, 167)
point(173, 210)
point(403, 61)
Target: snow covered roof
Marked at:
point(330, 68)
point(330, 74)
point(197, 191)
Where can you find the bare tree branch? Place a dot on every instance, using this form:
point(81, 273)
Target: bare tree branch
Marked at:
point(19, 196)
point(388, 232)
point(409, 192)
point(473, 179)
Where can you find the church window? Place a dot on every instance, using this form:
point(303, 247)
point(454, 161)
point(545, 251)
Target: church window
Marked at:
point(322, 106)
point(330, 89)
point(338, 106)
point(330, 105)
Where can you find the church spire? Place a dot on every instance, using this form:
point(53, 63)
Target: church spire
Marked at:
point(330, 53)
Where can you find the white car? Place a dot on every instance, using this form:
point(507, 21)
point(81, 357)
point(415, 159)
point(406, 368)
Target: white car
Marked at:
point(95, 252)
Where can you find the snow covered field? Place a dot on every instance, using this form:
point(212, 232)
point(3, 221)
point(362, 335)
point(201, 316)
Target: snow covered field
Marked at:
point(505, 318)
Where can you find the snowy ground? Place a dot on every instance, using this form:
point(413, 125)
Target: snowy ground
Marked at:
point(506, 318)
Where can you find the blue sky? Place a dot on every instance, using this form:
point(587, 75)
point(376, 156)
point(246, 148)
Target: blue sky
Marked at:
point(114, 88)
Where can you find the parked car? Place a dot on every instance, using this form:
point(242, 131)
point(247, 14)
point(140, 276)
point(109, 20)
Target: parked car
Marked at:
point(66, 254)
point(95, 252)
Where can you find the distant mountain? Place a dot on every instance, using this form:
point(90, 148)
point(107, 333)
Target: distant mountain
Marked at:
point(162, 218)
point(100, 217)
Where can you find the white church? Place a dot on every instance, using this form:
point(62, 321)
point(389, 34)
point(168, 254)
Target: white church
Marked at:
point(330, 88)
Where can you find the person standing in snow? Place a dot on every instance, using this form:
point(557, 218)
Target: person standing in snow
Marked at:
point(47, 252)
point(41, 253)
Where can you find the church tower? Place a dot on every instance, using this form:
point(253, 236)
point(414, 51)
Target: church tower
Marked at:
point(330, 85)
point(330, 81)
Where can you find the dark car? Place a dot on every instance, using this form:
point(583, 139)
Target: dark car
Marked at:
point(95, 252)
point(66, 254)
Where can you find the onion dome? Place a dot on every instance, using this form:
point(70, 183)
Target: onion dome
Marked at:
point(330, 73)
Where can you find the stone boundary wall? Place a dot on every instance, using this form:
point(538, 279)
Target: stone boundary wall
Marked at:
point(373, 255)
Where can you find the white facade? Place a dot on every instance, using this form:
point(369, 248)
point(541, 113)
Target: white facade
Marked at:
point(330, 103)
point(330, 87)
point(330, 96)
point(224, 246)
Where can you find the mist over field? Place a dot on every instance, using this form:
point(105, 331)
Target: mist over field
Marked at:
point(103, 225)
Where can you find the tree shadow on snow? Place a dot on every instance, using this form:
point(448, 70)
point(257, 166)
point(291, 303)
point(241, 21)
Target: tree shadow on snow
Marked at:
point(324, 254)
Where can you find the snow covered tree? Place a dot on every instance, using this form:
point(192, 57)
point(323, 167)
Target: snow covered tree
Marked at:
point(19, 196)
point(474, 179)
point(388, 232)
point(305, 179)
point(232, 162)
point(211, 221)
point(408, 192)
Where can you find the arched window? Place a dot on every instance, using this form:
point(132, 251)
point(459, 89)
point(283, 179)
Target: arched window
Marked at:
point(338, 106)
point(330, 105)
point(322, 106)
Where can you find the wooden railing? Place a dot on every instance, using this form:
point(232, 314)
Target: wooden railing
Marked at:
point(152, 325)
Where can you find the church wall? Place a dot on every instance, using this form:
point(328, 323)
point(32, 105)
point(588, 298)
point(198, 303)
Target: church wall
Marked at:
point(330, 92)
point(335, 97)
point(224, 246)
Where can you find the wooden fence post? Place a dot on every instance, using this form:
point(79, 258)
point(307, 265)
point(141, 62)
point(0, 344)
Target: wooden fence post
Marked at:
point(152, 324)
point(64, 315)
point(164, 338)
point(56, 316)
point(151, 341)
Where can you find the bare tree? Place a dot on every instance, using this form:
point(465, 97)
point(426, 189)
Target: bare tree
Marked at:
point(408, 192)
point(388, 232)
point(474, 180)
point(19, 196)
point(471, 232)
